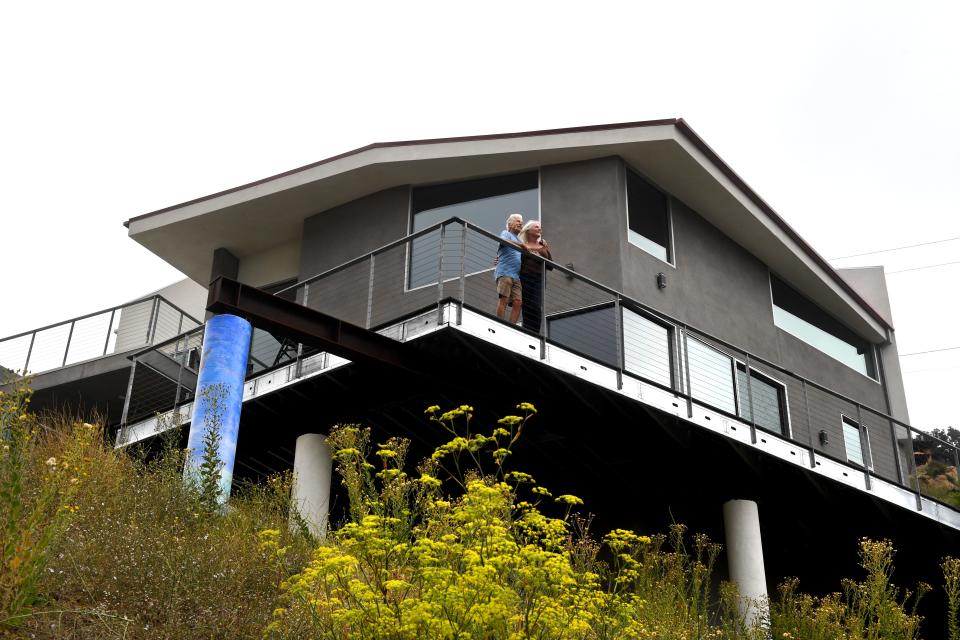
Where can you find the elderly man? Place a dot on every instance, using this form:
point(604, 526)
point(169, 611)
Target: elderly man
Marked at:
point(508, 269)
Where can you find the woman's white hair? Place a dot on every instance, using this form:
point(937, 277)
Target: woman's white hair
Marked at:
point(526, 227)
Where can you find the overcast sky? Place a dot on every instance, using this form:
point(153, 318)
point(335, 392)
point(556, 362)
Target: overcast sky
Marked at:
point(841, 115)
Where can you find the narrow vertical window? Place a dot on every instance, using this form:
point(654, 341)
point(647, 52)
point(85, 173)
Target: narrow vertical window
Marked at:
point(858, 450)
point(648, 217)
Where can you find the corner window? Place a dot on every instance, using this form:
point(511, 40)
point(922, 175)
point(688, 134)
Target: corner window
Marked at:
point(648, 217)
point(805, 320)
point(485, 202)
point(856, 442)
point(763, 400)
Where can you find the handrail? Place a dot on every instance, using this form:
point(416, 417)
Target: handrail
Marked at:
point(587, 280)
point(155, 296)
point(170, 340)
point(77, 344)
point(901, 445)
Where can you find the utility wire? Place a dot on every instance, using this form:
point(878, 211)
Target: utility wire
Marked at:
point(906, 246)
point(920, 353)
point(929, 266)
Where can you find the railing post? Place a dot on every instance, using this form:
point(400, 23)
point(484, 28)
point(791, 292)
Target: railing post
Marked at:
point(686, 373)
point(463, 269)
point(896, 454)
point(753, 413)
point(66, 351)
point(618, 328)
point(183, 359)
point(26, 364)
point(865, 447)
point(806, 408)
point(543, 309)
point(443, 229)
point(298, 369)
point(956, 458)
point(126, 399)
point(106, 343)
point(151, 325)
point(370, 292)
point(913, 468)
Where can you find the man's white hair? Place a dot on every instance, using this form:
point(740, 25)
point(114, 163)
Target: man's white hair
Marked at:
point(511, 217)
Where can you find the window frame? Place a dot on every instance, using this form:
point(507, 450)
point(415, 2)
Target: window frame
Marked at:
point(782, 395)
point(673, 347)
point(670, 248)
point(736, 363)
point(408, 249)
point(873, 361)
point(863, 433)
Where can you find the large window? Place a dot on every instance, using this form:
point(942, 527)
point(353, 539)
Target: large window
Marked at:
point(648, 217)
point(803, 319)
point(485, 202)
point(856, 442)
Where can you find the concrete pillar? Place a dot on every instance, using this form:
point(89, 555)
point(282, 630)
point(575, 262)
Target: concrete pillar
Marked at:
point(312, 473)
point(219, 397)
point(741, 522)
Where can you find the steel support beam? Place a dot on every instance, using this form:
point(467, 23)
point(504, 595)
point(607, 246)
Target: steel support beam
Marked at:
point(292, 320)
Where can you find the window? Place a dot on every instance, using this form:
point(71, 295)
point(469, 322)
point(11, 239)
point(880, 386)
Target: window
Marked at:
point(711, 376)
point(485, 202)
point(646, 348)
point(763, 400)
point(856, 442)
point(592, 331)
point(648, 217)
point(805, 320)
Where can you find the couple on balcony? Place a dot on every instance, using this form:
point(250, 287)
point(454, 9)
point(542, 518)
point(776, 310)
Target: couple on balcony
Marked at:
point(519, 274)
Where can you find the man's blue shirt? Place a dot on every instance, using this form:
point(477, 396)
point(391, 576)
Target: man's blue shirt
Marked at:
point(508, 258)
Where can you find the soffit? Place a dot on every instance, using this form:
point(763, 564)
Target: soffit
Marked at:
point(260, 216)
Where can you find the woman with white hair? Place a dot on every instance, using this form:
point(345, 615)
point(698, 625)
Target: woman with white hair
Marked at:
point(532, 273)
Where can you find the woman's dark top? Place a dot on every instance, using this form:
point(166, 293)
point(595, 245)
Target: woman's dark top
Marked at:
point(531, 267)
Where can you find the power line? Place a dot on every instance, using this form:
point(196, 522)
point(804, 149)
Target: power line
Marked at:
point(906, 246)
point(920, 353)
point(929, 266)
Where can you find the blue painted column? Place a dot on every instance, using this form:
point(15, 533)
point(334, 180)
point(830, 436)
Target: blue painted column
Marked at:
point(223, 367)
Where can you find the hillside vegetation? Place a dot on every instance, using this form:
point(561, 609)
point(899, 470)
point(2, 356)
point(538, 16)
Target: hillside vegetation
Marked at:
point(100, 543)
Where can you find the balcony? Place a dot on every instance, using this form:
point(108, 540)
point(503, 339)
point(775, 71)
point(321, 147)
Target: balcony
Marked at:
point(84, 361)
point(439, 279)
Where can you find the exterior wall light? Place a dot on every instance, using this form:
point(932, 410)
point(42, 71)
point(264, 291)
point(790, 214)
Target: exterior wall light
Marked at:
point(822, 437)
point(661, 280)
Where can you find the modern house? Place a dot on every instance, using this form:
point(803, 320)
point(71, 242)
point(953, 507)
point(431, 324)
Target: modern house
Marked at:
point(696, 360)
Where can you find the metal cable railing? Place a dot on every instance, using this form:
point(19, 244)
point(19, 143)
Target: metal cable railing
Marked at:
point(94, 335)
point(454, 261)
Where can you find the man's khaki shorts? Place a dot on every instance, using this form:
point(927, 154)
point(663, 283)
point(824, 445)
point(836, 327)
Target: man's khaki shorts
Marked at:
point(508, 287)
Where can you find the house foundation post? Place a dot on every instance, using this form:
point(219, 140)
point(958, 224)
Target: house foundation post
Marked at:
point(219, 397)
point(741, 522)
point(312, 474)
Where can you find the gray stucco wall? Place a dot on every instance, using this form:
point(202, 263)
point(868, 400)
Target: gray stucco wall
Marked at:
point(581, 205)
point(713, 284)
point(333, 237)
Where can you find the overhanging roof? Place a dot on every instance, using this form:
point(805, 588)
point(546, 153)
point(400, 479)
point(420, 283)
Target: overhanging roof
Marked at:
point(261, 215)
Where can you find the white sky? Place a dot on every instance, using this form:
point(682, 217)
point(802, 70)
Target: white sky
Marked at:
point(842, 115)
